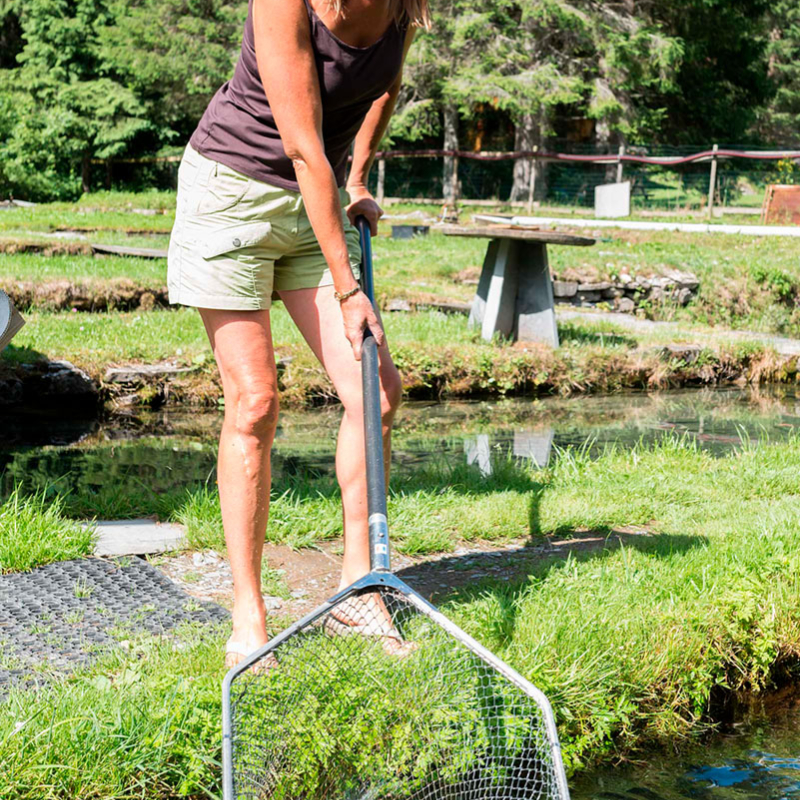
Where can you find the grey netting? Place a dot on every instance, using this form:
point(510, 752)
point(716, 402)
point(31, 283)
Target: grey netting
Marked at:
point(329, 714)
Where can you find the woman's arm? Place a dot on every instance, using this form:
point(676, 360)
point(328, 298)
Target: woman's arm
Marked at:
point(366, 145)
point(286, 65)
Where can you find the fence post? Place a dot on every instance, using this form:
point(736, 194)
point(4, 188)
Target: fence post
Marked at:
point(532, 181)
point(712, 183)
point(455, 181)
point(381, 181)
point(619, 163)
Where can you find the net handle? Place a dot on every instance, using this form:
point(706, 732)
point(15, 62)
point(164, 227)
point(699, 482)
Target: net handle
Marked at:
point(379, 554)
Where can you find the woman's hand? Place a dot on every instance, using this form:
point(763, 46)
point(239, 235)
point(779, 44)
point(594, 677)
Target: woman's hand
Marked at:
point(358, 314)
point(362, 203)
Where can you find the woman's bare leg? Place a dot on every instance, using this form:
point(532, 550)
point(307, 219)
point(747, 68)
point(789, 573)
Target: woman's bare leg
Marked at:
point(242, 345)
point(319, 318)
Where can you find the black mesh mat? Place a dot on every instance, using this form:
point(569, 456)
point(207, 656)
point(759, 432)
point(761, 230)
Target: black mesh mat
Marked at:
point(62, 615)
point(335, 712)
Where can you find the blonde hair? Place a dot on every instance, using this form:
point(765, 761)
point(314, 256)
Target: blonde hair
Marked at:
point(416, 12)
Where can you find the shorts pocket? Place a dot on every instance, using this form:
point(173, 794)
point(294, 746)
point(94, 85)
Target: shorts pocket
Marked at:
point(223, 190)
point(237, 237)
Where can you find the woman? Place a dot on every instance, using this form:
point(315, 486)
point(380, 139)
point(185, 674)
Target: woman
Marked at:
point(261, 193)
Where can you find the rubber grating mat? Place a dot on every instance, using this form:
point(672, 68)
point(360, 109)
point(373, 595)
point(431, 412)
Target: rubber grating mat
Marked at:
point(63, 615)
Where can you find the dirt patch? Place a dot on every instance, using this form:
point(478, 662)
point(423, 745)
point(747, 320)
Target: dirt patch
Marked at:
point(121, 294)
point(51, 248)
point(303, 579)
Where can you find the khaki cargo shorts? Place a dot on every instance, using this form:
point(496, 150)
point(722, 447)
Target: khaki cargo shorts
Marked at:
point(237, 241)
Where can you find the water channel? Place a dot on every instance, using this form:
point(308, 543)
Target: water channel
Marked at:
point(172, 449)
point(757, 759)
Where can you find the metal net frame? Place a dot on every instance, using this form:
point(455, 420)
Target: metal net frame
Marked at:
point(406, 705)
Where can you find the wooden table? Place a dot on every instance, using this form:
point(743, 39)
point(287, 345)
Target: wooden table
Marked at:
point(515, 291)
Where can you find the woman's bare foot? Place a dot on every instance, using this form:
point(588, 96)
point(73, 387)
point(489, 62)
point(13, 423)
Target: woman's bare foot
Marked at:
point(249, 632)
point(367, 615)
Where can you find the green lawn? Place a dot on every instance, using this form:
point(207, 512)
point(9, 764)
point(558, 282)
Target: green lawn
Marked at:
point(81, 268)
point(745, 282)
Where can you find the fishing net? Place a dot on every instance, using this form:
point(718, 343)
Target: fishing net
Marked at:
point(377, 697)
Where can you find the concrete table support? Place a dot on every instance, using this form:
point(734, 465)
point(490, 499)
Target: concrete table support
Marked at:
point(515, 292)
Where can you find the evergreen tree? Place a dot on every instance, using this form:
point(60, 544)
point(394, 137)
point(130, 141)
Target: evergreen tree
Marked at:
point(779, 120)
point(98, 79)
point(173, 54)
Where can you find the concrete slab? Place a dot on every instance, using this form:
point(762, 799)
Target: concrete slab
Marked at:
point(136, 537)
point(633, 225)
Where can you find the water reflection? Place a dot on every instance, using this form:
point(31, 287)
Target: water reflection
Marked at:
point(167, 450)
point(533, 446)
point(759, 761)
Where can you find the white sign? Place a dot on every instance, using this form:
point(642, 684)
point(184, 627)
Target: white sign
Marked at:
point(613, 200)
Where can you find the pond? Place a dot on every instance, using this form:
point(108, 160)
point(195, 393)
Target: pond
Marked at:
point(758, 759)
point(168, 450)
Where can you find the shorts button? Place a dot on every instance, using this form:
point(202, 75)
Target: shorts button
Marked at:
point(237, 242)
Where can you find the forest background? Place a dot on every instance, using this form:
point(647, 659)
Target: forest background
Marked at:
point(87, 84)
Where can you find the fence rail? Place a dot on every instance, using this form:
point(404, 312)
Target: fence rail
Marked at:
point(662, 176)
point(608, 158)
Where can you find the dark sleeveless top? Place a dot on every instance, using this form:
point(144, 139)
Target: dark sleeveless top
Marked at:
point(238, 128)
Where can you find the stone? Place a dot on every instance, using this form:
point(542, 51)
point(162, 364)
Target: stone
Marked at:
point(683, 296)
point(588, 296)
point(625, 305)
point(11, 392)
point(656, 294)
point(684, 280)
point(272, 603)
point(398, 304)
point(688, 353)
point(143, 373)
point(446, 306)
point(565, 288)
point(59, 382)
point(625, 278)
point(594, 287)
point(612, 293)
point(137, 537)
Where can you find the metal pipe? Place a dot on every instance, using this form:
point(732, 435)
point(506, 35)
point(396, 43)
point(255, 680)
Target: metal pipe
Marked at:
point(379, 554)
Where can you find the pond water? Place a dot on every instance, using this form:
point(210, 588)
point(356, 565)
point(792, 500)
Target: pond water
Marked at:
point(167, 450)
point(758, 760)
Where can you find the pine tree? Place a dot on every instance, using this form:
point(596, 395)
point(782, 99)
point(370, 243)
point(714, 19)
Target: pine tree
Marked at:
point(779, 120)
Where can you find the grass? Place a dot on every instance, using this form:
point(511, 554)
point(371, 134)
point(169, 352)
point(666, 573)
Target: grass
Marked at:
point(141, 724)
point(745, 282)
point(34, 532)
point(64, 216)
point(80, 268)
point(632, 642)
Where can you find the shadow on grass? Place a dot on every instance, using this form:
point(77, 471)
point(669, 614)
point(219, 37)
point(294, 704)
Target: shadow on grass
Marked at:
point(506, 574)
point(579, 334)
point(13, 355)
